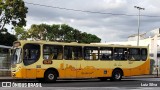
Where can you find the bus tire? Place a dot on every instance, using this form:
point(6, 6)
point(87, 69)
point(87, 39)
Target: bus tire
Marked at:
point(50, 76)
point(116, 75)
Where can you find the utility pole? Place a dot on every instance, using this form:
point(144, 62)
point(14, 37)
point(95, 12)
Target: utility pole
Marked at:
point(139, 8)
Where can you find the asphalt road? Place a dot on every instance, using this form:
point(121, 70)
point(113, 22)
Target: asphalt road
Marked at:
point(89, 84)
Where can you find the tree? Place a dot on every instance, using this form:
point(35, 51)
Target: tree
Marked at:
point(21, 33)
point(62, 32)
point(7, 39)
point(38, 31)
point(12, 12)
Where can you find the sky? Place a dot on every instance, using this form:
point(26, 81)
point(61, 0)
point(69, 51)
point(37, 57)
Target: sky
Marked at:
point(110, 28)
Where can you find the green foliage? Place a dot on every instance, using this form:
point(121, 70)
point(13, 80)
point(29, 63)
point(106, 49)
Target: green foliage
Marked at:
point(21, 33)
point(88, 38)
point(63, 33)
point(7, 39)
point(12, 12)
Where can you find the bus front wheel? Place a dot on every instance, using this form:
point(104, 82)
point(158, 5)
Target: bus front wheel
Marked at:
point(116, 75)
point(50, 76)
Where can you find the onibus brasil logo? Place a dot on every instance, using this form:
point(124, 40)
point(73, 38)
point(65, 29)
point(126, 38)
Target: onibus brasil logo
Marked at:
point(13, 84)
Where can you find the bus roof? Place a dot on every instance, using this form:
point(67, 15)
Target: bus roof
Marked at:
point(79, 44)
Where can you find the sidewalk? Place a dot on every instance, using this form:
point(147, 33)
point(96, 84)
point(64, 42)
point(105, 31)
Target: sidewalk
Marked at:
point(10, 79)
point(144, 76)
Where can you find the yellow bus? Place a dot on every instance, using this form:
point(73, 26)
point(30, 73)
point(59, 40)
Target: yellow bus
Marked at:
point(49, 61)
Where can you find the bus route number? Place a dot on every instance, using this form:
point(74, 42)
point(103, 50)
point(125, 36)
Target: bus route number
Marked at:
point(47, 62)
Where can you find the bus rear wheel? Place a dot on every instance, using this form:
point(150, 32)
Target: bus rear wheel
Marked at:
point(50, 76)
point(116, 75)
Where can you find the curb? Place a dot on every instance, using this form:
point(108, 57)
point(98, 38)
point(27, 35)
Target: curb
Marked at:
point(144, 76)
point(13, 79)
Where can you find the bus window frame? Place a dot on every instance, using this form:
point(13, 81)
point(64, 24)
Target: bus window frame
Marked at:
point(106, 48)
point(20, 57)
point(91, 53)
point(133, 59)
point(53, 45)
point(73, 46)
point(23, 55)
point(122, 55)
point(146, 54)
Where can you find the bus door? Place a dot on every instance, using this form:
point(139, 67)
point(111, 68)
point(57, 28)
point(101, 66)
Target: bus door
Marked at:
point(31, 54)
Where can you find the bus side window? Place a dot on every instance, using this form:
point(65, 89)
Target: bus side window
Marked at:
point(31, 53)
point(60, 55)
point(51, 52)
point(67, 52)
point(77, 52)
point(143, 54)
point(25, 54)
point(73, 52)
point(91, 53)
point(120, 54)
point(106, 53)
point(134, 54)
point(51, 56)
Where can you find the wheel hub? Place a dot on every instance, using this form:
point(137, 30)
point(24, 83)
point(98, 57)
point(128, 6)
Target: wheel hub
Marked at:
point(51, 76)
point(117, 76)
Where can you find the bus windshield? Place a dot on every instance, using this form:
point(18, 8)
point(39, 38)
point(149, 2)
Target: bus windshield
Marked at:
point(16, 56)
